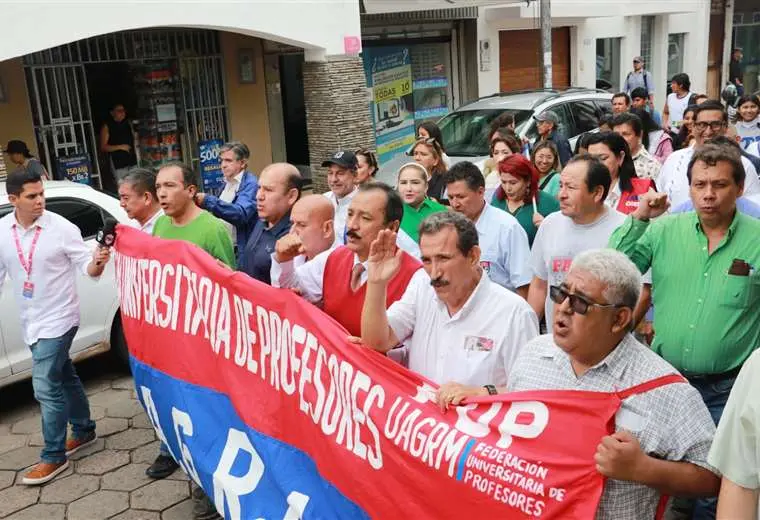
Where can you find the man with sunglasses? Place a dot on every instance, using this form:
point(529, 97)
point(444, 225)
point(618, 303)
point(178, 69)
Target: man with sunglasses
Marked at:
point(662, 436)
point(705, 278)
point(710, 120)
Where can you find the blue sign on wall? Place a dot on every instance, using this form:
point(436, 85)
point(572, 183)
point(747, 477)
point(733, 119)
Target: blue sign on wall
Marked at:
point(75, 168)
point(211, 165)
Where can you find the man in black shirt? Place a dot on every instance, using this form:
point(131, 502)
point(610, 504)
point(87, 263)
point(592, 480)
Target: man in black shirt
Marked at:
point(736, 71)
point(117, 140)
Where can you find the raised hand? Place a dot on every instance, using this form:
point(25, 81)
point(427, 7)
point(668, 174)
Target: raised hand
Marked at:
point(287, 248)
point(651, 205)
point(384, 258)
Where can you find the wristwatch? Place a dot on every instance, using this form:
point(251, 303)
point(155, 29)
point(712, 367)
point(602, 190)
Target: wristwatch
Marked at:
point(491, 389)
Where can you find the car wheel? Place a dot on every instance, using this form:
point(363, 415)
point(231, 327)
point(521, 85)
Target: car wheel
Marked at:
point(119, 348)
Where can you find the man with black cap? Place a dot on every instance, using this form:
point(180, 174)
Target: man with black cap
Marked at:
point(639, 78)
point(341, 178)
point(20, 155)
point(547, 124)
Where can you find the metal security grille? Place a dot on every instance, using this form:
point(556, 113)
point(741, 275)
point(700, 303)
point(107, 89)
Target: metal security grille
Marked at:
point(61, 113)
point(57, 84)
point(203, 95)
point(149, 44)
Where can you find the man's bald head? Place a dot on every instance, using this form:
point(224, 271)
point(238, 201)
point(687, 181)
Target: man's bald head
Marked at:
point(312, 220)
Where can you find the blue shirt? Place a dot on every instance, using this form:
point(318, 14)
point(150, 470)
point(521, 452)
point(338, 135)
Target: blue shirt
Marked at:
point(504, 249)
point(743, 204)
point(241, 212)
point(256, 259)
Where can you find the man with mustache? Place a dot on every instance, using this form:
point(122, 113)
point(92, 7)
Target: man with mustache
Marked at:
point(337, 281)
point(463, 330)
point(705, 273)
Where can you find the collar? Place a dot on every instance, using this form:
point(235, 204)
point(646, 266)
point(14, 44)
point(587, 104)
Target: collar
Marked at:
point(486, 209)
point(42, 222)
point(615, 362)
point(643, 152)
point(484, 284)
point(152, 219)
point(283, 223)
point(236, 179)
point(426, 203)
point(344, 199)
point(731, 228)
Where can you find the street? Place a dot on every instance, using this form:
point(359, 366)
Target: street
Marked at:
point(106, 480)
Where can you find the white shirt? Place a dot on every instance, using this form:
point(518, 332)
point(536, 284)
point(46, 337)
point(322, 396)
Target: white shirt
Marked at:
point(308, 277)
point(476, 346)
point(754, 149)
point(504, 248)
point(60, 254)
point(675, 183)
point(231, 187)
point(559, 240)
point(149, 225)
point(341, 213)
point(298, 262)
point(676, 107)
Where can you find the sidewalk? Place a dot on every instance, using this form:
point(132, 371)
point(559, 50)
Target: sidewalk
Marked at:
point(106, 480)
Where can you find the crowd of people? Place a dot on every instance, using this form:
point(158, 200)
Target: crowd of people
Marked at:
point(637, 254)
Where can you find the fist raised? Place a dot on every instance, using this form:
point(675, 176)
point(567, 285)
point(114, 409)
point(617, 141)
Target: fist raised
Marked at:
point(287, 248)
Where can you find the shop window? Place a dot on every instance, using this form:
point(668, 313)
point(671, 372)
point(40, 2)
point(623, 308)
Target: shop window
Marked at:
point(608, 62)
point(84, 215)
point(647, 41)
point(747, 37)
point(675, 55)
point(431, 80)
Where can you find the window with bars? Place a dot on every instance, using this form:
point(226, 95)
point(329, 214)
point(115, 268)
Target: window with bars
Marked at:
point(647, 40)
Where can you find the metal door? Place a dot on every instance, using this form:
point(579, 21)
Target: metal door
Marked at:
point(204, 100)
point(61, 113)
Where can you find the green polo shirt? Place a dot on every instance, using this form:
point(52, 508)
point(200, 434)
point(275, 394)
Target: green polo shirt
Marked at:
point(706, 321)
point(412, 219)
point(205, 231)
point(524, 214)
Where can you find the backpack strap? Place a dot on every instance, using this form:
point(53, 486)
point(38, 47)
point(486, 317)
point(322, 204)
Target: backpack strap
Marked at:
point(651, 385)
point(546, 180)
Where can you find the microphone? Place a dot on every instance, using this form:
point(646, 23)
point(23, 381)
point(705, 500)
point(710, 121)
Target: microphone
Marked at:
point(107, 234)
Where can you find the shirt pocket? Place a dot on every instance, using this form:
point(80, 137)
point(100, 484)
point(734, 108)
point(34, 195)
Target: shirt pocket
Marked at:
point(740, 292)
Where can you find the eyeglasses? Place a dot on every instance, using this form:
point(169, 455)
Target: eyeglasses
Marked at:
point(715, 126)
point(578, 304)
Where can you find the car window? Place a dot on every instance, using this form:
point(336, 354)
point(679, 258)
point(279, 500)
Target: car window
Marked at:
point(4, 210)
point(585, 116)
point(605, 107)
point(566, 126)
point(465, 132)
point(88, 217)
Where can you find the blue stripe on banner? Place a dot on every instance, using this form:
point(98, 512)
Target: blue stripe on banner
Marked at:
point(251, 474)
point(463, 458)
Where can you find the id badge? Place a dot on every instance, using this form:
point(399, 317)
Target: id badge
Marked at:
point(28, 291)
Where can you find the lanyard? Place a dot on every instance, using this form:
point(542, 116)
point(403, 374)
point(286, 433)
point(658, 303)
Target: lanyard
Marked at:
point(26, 265)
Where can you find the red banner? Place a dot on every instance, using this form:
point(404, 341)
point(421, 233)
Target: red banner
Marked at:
point(366, 423)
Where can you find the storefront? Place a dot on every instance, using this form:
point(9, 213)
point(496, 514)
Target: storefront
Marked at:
point(170, 81)
point(413, 67)
point(747, 37)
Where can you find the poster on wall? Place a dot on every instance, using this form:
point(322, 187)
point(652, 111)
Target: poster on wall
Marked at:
point(75, 168)
point(390, 76)
point(211, 165)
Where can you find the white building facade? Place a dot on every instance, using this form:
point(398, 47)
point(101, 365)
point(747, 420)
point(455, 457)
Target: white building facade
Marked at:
point(594, 42)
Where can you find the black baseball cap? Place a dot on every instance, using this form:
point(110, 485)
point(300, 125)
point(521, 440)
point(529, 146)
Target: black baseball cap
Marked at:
point(343, 158)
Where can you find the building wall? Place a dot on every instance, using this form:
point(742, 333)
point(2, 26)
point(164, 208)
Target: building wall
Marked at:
point(15, 115)
point(593, 20)
point(247, 103)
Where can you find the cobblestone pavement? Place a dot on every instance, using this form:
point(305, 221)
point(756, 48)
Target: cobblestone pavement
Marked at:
point(106, 480)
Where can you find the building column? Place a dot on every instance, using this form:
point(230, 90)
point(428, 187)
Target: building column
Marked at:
point(659, 68)
point(337, 111)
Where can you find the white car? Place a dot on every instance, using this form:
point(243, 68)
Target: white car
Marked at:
point(100, 327)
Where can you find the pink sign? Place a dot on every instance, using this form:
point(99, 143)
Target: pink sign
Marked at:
point(352, 45)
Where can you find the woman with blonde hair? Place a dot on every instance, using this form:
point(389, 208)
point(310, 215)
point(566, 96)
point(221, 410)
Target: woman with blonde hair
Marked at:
point(412, 185)
point(427, 152)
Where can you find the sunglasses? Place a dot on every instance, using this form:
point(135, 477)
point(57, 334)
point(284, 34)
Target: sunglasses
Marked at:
point(578, 304)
